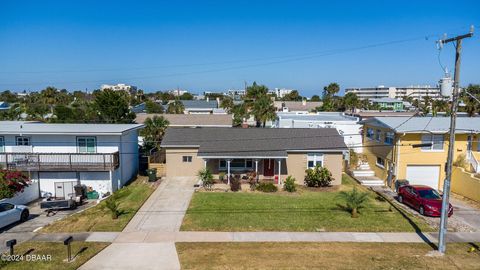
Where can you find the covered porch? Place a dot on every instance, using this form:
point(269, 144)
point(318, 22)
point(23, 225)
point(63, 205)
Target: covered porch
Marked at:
point(263, 168)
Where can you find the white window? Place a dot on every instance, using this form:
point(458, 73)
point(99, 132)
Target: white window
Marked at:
point(187, 158)
point(389, 137)
point(380, 162)
point(2, 144)
point(370, 133)
point(314, 159)
point(378, 135)
point(435, 139)
point(86, 144)
point(22, 141)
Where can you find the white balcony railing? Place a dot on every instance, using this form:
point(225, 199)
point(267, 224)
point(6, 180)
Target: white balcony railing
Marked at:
point(26, 161)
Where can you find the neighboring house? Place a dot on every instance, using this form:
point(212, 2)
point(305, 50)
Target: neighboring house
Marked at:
point(297, 106)
point(58, 156)
point(191, 120)
point(4, 106)
point(388, 103)
point(202, 106)
point(389, 147)
point(347, 126)
point(141, 108)
point(272, 153)
point(414, 91)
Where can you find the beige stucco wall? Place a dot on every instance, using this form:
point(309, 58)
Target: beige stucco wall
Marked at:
point(334, 162)
point(465, 184)
point(176, 166)
point(295, 165)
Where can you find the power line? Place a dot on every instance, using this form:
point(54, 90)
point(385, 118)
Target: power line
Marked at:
point(291, 59)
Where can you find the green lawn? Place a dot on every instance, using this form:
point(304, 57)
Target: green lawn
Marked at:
point(98, 218)
point(305, 210)
point(324, 256)
point(82, 251)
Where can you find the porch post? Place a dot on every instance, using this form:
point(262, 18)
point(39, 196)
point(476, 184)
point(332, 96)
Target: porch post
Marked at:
point(205, 163)
point(279, 171)
point(228, 171)
point(256, 169)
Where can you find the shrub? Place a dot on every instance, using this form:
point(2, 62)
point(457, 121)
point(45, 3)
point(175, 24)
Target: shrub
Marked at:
point(266, 187)
point(252, 180)
point(318, 177)
point(112, 204)
point(12, 182)
point(221, 176)
point(207, 178)
point(235, 184)
point(353, 160)
point(461, 161)
point(289, 184)
point(355, 200)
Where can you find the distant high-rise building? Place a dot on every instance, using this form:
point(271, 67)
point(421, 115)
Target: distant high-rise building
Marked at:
point(281, 92)
point(119, 87)
point(415, 91)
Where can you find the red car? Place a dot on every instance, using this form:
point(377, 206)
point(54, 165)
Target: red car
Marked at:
point(424, 199)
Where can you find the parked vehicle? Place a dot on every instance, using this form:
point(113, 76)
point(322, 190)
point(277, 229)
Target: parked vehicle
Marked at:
point(426, 200)
point(10, 213)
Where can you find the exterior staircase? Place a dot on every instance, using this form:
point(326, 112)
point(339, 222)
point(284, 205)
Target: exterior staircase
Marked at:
point(366, 176)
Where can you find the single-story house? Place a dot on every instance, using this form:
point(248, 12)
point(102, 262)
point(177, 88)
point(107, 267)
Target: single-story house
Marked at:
point(297, 106)
point(271, 153)
point(347, 126)
point(191, 120)
point(59, 156)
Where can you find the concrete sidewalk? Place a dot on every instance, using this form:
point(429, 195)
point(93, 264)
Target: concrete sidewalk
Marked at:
point(161, 237)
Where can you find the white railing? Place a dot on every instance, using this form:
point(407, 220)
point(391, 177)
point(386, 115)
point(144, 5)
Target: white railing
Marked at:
point(59, 161)
point(473, 161)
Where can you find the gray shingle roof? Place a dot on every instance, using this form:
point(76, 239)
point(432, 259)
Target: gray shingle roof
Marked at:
point(427, 124)
point(17, 127)
point(191, 120)
point(253, 142)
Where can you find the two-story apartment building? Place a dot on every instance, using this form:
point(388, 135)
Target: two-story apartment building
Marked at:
point(416, 148)
point(59, 156)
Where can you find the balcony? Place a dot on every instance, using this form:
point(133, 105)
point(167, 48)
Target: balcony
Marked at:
point(59, 161)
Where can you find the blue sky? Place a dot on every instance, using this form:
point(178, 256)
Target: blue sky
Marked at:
point(215, 45)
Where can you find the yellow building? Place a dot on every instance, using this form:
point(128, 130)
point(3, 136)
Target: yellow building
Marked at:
point(416, 148)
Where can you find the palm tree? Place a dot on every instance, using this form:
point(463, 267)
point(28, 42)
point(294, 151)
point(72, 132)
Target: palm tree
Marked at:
point(354, 200)
point(351, 101)
point(256, 91)
point(263, 110)
point(176, 107)
point(49, 96)
point(227, 104)
point(154, 131)
point(439, 105)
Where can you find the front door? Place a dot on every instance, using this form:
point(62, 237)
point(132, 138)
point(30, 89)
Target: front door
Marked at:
point(268, 167)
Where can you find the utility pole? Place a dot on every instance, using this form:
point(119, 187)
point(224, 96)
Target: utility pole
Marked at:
point(451, 145)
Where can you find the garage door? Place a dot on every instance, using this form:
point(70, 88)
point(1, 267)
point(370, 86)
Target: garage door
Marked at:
point(48, 180)
point(424, 175)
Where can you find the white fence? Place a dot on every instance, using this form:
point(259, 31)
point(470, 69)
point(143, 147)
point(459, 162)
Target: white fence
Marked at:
point(28, 195)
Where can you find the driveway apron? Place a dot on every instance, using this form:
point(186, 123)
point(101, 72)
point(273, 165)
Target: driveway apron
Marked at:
point(163, 212)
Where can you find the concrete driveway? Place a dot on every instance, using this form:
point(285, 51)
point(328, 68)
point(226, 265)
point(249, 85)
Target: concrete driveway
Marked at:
point(38, 219)
point(162, 213)
point(466, 213)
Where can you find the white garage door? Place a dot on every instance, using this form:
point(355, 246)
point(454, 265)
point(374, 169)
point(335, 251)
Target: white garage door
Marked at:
point(424, 175)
